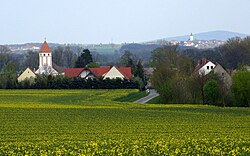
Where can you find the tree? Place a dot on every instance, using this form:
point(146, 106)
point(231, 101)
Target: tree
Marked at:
point(92, 65)
point(31, 60)
point(139, 72)
point(69, 57)
point(241, 88)
point(58, 56)
point(171, 77)
point(212, 92)
point(236, 51)
point(196, 88)
point(8, 76)
point(4, 56)
point(128, 60)
point(84, 59)
point(201, 80)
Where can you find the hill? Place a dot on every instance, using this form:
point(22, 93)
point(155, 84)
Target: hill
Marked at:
point(211, 35)
point(140, 50)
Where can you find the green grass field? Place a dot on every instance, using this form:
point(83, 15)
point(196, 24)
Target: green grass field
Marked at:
point(93, 122)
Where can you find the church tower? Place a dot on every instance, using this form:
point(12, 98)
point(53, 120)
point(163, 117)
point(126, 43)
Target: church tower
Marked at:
point(191, 37)
point(45, 55)
point(45, 60)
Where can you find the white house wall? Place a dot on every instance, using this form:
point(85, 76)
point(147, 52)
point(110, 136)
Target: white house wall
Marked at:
point(84, 73)
point(27, 74)
point(113, 73)
point(207, 68)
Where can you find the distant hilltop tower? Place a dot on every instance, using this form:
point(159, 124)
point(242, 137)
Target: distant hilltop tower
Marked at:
point(191, 37)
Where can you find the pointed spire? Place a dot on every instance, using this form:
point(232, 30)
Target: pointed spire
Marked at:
point(45, 47)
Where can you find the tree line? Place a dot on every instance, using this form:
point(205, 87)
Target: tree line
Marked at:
point(61, 82)
point(175, 80)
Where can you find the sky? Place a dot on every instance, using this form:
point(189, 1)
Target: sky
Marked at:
point(117, 21)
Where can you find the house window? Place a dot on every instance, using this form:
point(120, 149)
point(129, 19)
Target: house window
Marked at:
point(48, 54)
point(212, 67)
point(43, 54)
point(222, 74)
point(207, 67)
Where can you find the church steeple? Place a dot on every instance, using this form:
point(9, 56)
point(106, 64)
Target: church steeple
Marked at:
point(191, 37)
point(45, 48)
point(45, 59)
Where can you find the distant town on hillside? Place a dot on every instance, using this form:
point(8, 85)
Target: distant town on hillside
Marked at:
point(200, 40)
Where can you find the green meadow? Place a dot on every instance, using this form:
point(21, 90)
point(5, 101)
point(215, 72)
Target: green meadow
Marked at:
point(98, 122)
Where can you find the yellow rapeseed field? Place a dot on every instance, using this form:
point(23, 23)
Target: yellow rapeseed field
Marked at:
point(93, 122)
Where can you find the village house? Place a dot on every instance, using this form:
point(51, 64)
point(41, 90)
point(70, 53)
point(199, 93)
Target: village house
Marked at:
point(110, 72)
point(27, 74)
point(223, 75)
point(204, 67)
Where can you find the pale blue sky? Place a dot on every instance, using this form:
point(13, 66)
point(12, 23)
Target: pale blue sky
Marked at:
point(118, 21)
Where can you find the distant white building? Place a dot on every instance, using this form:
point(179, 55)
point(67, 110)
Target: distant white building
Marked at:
point(191, 37)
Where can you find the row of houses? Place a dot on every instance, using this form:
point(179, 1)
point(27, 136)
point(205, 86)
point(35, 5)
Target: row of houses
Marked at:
point(47, 67)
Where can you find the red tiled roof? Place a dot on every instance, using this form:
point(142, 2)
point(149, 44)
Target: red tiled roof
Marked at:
point(45, 48)
point(99, 72)
point(73, 72)
point(126, 71)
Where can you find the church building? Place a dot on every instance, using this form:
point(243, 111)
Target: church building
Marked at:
point(45, 61)
point(191, 37)
point(46, 65)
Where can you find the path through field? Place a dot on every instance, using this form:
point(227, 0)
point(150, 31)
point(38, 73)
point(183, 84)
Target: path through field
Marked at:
point(152, 94)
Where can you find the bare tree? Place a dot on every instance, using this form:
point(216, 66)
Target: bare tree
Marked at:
point(31, 60)
point(69, 57)
point(4, 56)
point(58, 56)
